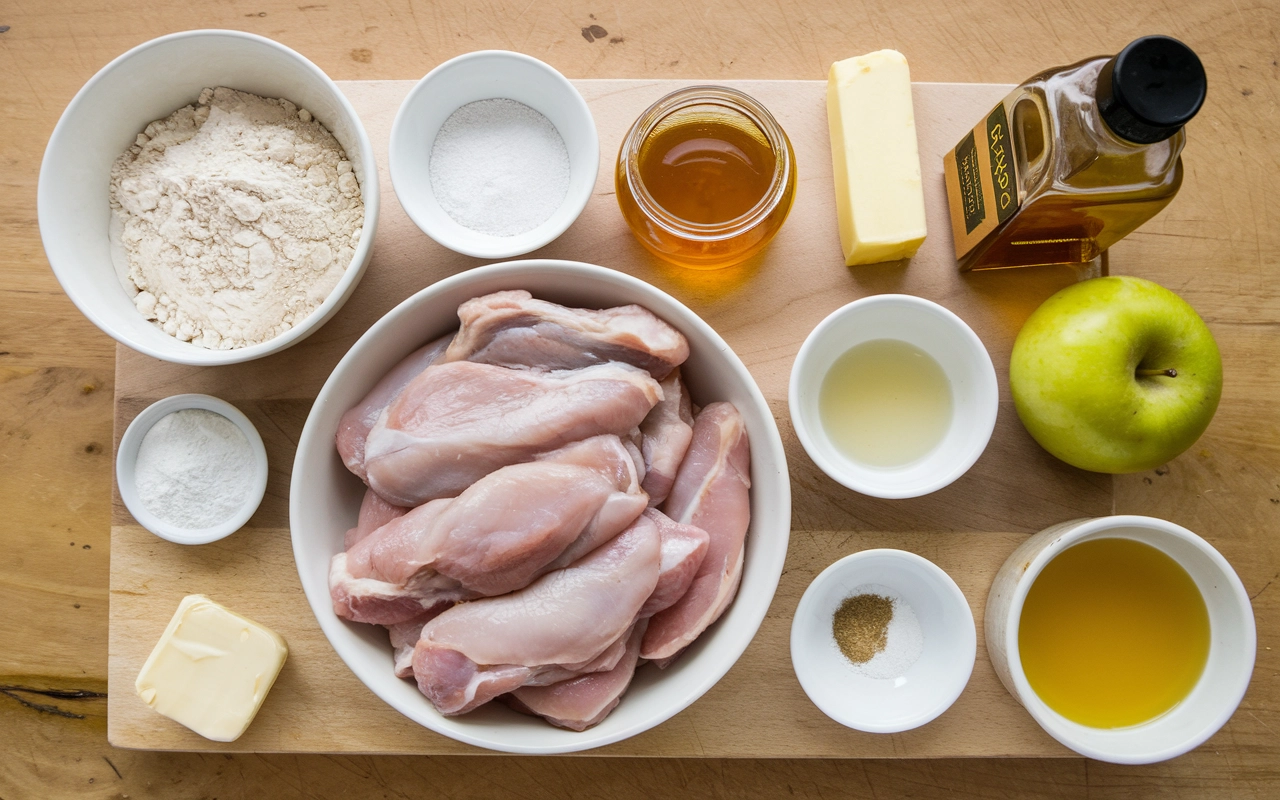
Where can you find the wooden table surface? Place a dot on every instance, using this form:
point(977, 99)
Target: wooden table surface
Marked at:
point(1218, 245)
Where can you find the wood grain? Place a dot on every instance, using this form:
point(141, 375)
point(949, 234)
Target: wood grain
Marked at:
point(1216, 244)
point(764, 309)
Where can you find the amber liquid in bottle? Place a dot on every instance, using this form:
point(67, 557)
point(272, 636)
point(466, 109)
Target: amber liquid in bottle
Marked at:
point(1082, 187)
point(705, 181)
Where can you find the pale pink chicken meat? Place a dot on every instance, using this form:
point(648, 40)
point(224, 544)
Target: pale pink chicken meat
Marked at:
point(584, 701)
point(354, 427)
point(568, 622)
point(457, 422)
point(374, 513)
point(381, 602)
point(683, 549)
point(500, 534)
point(710, 492)
point(512, 329)
point(665, 437)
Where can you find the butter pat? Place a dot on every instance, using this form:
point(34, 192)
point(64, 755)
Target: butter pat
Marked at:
point(879, 199)
point(211, 669)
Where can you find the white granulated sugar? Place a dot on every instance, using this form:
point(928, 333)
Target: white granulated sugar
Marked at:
point(499, 167)
point(194, 469)
point(904, 641)
point(236, 217)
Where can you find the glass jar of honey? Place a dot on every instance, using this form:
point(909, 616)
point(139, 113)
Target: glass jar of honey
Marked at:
point(705, 177)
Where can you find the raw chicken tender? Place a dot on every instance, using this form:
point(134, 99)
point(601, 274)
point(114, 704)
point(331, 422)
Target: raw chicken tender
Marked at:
point(354, 427)
point(666, 434)
point(683, 549)
point(568, 622)
point(505, 530)
point(512, 329)
point(581, 702)
point(710, 492)
point(457, 422)
point(374, 513)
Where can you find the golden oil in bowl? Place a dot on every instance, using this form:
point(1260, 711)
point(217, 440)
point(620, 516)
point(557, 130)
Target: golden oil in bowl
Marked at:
point(1113, 633)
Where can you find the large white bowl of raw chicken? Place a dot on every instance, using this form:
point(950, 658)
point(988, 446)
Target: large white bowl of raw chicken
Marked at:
point(540, 507)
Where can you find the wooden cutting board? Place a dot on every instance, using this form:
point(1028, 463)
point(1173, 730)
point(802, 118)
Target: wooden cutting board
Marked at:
point(764, 309)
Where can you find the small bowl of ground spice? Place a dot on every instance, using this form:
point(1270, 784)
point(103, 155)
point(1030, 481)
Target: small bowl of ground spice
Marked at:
point(493, 154)
point(883, 641)
point(191, 469)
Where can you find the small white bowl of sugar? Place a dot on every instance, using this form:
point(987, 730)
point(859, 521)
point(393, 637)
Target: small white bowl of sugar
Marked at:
point(191, 469)
point(494, 154)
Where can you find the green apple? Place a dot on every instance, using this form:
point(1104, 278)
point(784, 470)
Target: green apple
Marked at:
point(1115, 374)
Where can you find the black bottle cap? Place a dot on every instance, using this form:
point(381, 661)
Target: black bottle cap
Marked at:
point(1150, 89)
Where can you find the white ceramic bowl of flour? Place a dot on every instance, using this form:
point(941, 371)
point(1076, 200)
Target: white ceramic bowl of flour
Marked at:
point(149, 83)
point(530, 183)
point(928, 656)
point(191, 480)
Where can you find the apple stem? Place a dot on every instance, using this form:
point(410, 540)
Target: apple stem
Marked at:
point(1150, 373)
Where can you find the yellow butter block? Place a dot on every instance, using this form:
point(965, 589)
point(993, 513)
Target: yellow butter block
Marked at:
point(879, 198)
point(211, 669)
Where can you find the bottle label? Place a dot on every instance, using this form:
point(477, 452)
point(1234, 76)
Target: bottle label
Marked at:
point(982, 181)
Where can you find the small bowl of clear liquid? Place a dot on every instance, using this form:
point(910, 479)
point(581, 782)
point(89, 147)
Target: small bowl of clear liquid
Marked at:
point(893, 396)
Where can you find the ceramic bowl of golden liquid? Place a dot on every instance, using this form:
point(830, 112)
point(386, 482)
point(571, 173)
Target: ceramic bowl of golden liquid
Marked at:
point(1129, 639)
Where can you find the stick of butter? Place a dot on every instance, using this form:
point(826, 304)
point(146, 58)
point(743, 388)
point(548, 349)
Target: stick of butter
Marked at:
point(879, 199)
point(211, 669)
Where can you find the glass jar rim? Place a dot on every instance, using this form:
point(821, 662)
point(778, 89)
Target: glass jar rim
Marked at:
point(733, 100)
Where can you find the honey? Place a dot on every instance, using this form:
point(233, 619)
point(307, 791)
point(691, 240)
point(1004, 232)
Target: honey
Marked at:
point(705, 177)
point(1113, 633)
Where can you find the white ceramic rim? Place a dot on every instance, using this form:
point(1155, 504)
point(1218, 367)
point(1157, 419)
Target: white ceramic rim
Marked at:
point(499, 246)
point(985, 423)
point(1052, 722)
point(127, 456)
point(321, 602)
point(337, 296)
point(964, 661)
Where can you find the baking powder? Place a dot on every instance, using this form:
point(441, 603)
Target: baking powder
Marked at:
point(195, 469)
point(499, 167)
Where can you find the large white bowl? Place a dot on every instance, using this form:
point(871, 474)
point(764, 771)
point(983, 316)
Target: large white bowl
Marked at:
point(324, 499)
point(1232, 640)
point(147, 83)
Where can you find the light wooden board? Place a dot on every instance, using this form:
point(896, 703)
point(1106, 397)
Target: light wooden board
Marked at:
point(764, 309)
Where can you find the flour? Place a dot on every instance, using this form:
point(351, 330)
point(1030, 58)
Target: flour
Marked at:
point(499, 167)
point(194, 469)
point(236, 218)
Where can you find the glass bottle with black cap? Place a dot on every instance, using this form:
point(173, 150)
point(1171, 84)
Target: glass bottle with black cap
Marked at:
point(1075, 158)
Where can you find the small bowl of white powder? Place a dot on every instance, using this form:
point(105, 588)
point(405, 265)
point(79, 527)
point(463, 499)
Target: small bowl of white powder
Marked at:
point(883, 641)
point(191, 469)
point(494, 154)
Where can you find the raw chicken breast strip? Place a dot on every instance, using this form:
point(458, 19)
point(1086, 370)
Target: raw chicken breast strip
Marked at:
point(568, 621)
point(457, 422)
point(500, 534)
point(512, 329)
point(710, 492)
point(584, 701)
point(683, 549)
point(666, 434)
point(354, 427)
point(374, 513)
